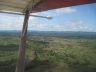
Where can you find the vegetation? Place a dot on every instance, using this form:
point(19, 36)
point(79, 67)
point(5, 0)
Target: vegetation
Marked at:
point(50, 54)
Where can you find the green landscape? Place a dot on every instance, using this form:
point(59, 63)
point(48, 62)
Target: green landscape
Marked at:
point(49, 53)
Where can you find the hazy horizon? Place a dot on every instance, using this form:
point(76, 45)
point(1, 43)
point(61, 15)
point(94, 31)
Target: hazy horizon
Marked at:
point(48, 31)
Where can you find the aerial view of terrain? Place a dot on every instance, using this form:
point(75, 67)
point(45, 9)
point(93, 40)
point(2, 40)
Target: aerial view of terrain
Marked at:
point(50, 51)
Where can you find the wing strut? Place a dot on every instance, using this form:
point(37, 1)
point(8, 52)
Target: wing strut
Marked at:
point(22, 47)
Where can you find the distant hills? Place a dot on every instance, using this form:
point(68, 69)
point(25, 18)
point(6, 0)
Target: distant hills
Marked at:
point(65, 34)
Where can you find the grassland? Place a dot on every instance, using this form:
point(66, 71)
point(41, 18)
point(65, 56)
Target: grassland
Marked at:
point(50, 54)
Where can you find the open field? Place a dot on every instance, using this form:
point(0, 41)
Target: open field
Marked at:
point(50, 54)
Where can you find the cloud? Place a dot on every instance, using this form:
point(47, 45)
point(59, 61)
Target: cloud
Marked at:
point(46, 27)
point(11, 22)
point(10, 26)
point(67, 10)
point(78, 25)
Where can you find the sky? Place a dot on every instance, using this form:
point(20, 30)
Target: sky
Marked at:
point(75, 18)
